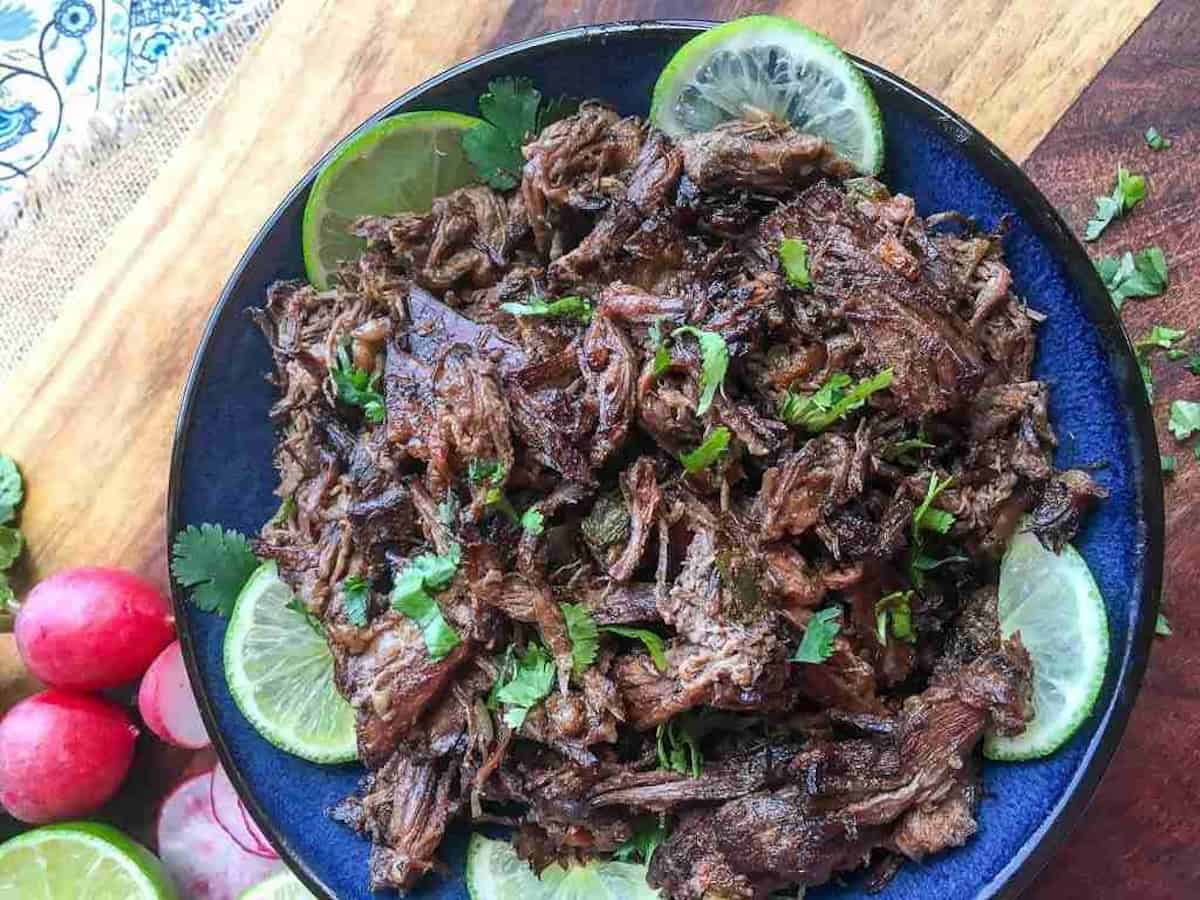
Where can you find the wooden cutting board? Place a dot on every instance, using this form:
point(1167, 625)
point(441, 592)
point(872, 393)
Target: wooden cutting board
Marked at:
point(90, 415)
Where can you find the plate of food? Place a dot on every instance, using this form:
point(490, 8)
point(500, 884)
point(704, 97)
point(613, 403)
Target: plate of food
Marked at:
point(665, 460)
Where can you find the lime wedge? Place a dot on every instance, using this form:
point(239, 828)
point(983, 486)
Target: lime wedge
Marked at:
point(1053, 602)
point(77, 859)
point(284, 886)
point(495, 872)
point(280, 672)
point(397, 165)
point(773, 65)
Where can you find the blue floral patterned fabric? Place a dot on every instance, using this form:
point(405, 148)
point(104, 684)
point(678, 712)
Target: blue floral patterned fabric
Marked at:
point(61, 61)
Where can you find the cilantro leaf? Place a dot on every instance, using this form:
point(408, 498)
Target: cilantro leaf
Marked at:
point(568, 307)
point(1143, 274)
point(653, 643)
point(584, 635)
point(1162, 627)
point(510, 110)
point(1128, 192)
point(793, 253)
point(357, 387)
point(662, 356)
point(11, 544)
point(412, 595)
point(714, 447)
point(529, 681)
point(1167, 462)
point(648, 833)
point(1184, 419)
point(898, 451)
point(714, 355)
point(214, 562)
point(8, 597)
point(817, 644)
point(897, 608)
point(532, 521)
point(928, 518)
point(835, 399)
point(678, 748)
point(486, 471)
point(356, 596)
point(1156, 141)
point(12, 490)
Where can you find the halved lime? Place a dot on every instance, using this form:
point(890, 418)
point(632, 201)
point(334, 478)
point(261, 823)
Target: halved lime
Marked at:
point(284, 886)
point(1052, 600)
point(280, 672)
point(495, 872)
point(771, 65)
point(397, 165)
point(77, 859)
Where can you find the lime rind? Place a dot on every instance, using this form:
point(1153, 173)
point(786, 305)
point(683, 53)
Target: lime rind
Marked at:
point(1053, 602)
point(280, 673)
point(775, 65)
point(70, 854)
point(396, 165)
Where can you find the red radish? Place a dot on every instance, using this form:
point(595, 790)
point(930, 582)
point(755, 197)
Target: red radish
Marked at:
point(232, 816)
point(92, 628)
point(167, 703)
point(203, 860)
point(63, 755)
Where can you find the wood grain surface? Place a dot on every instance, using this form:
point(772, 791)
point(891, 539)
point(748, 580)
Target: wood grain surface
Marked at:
point(91, 414)
point(1141, 836)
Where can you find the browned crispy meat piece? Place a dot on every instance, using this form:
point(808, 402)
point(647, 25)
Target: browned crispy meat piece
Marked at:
point(652, 611)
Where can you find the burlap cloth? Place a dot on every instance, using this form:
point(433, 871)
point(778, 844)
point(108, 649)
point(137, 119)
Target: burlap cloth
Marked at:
point(72, 206)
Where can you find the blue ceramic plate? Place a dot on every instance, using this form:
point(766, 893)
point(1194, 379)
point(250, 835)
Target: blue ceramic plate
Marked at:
point(221, 471)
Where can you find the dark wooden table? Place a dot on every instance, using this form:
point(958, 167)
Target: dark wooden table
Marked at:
point(1068, 88)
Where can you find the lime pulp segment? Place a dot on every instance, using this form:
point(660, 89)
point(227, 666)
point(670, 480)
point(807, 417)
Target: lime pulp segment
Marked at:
point(56, 861)
point(771, 65)
point(280, 672)
point(284, 886)
point(1054, 603)
point(495, 872)
point(399, 164)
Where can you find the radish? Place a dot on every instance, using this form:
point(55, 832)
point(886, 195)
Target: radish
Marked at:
point(231, 815)
point(92, 628)
point(63, 755)
point(167, 703)
point(203, 860)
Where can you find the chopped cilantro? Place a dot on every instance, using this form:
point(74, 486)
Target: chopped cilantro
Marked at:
point(356, 387)
point(412, 595)
point(652, 642)
point(11, 489)
point(793, 253)
point(486, 471)
point(11, 544)
point(1193, 364)
point(835, 399)
point(1167, 462)
point(714, 447)
point(1196, 452)
point(714, 362)
point(1175, 354)
point(899, 451)
point(568, 307)
point(1161, 626)
point(817, 644)
point(895, 607)
point(648, 833)
point(584, 635)
point(356, 598)
point(8, 597)
point(532, 521)
point(1128, 192)
point(679, 748)
point(1184, 419)
point(1156, 141)
point(662, 355)
point(214, 562)
point(926, 518)
point(1141, 274)
point(510, 110)
point(1160, 337)
point(525, 683)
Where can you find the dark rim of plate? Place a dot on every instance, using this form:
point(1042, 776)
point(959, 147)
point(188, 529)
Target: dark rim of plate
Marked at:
point(1132, 658)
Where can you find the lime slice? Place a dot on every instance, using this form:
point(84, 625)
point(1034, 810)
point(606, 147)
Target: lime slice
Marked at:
point(1053, 601)
point(397, 165)
point(770, 64)
point(495, 872)
point(284, 886)
point(280, 672)
point(76, 859)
